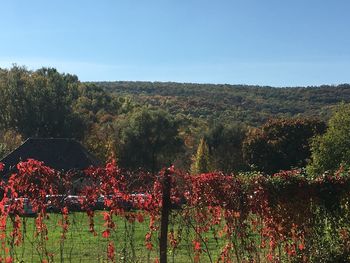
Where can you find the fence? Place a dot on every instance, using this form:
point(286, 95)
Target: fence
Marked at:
point(174, 217)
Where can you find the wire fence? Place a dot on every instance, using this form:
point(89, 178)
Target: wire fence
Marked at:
point(173, 217)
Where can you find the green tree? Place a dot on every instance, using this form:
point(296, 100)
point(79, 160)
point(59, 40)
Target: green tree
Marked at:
point(39, 104)
point(225, 147)
point(281, 144)
point(332, 149)
point(148, 139)
point(202, 162)
point(94, 103)
point(100, 141)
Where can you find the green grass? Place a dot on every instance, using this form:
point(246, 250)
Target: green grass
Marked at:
point(82, 246)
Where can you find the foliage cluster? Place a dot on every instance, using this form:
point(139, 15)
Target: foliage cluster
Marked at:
point(281, 144)
point(287, 217)
point(251, 105)
point(142, 124)
point(332, 148)
point(39, 103)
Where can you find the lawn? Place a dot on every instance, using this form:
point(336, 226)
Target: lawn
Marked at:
point(82, 246)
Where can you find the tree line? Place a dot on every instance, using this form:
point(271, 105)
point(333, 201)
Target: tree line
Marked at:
point(147, 132)
point(245, 104)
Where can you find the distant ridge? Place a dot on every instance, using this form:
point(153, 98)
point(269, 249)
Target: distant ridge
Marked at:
point(248, 104)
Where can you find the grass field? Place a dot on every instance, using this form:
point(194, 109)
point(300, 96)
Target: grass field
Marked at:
point(82, 246)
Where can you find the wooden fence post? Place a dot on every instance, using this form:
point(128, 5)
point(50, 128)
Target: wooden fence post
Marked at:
point(166, 206)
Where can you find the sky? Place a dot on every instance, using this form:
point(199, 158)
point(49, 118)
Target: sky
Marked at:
point(258, 42)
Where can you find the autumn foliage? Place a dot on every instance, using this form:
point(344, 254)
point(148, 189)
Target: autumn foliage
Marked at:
point(256, 218)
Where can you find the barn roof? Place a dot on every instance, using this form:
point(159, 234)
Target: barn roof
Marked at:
point(58, 153)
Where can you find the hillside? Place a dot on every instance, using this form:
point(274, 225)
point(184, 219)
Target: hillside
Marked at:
point(237, 103)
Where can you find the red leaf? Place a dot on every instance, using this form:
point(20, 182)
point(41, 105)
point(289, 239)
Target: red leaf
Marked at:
point(106, 233)
point(140, 217)
point(196, 245)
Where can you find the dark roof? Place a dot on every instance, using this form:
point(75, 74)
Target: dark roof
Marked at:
point(58, 153)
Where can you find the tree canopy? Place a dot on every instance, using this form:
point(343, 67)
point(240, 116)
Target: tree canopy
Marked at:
point(202, 162)
point(148, 139)
point(39, 103)
point(245, 104)
point(225, 144)
point(149, 125)
point(332, 149)
point(281, 144)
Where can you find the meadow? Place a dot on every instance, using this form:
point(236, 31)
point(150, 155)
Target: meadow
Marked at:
point(80, 245)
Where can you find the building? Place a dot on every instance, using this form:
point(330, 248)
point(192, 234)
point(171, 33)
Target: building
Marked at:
point(61, 154)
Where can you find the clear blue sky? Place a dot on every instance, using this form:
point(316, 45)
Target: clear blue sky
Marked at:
point(264, 42)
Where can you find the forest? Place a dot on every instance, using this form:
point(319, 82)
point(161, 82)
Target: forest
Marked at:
point(252, 105)
point(150, 125)
point(193, 172)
